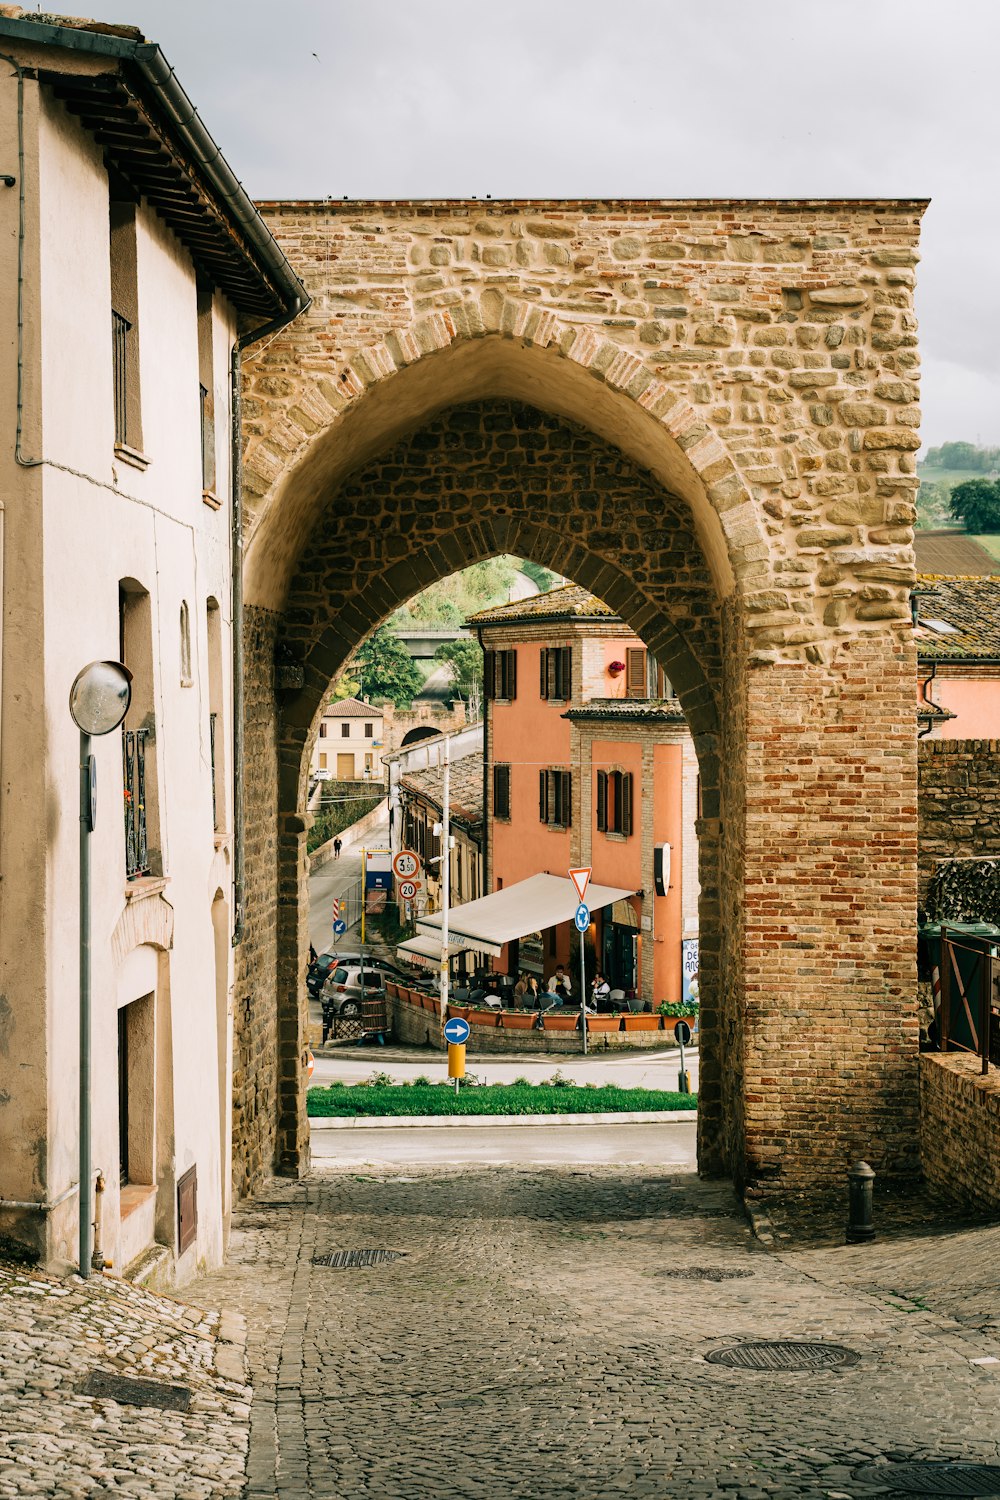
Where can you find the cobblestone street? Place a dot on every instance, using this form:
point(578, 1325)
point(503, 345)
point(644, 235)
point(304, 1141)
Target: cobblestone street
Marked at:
point(545, 1335)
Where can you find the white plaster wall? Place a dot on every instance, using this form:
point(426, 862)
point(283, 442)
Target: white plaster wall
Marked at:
point(152, 526)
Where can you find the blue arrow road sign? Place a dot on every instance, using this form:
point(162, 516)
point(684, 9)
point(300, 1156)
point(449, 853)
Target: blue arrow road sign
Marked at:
point(339, 927)
point(457, 1030)
point(582, 917)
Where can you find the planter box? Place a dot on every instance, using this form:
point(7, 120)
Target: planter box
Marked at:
point(429, 1002)
point(604, 1023)
point(640, 1021)
point(559, 1023)
point(458, 1010)
point(513, 1020)
point(483, 1017)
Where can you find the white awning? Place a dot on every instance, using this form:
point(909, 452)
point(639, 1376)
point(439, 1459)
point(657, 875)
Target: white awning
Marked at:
point(532, 905)
point(426, 951)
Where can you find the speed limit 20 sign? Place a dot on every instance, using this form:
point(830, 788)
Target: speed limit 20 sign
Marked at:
point(405, 864)
point(407, 890)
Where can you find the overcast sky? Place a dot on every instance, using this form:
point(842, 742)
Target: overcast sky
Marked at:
point(630, 98)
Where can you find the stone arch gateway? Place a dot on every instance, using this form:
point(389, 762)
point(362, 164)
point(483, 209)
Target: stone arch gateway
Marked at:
point(706, 414)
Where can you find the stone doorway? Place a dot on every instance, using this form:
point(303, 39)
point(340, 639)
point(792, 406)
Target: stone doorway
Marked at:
point(736, 483)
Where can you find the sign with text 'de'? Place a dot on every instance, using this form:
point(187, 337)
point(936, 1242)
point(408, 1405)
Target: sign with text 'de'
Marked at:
point(581, 879)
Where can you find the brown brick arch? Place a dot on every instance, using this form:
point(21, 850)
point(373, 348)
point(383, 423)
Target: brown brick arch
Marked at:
point(754, 365)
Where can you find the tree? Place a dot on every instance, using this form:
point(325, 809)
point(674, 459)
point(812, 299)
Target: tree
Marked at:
point(384, 669)
point(464, 657)
point(977, 503)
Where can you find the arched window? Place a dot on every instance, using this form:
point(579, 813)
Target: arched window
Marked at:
point(186, 678)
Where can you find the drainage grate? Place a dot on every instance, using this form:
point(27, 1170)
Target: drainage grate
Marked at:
point(930, 1477)
point(128, 1391)
point(349, 1260)
point(784, 1355)
point(703, 1273)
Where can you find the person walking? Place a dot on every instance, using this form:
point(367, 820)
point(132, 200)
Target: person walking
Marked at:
point(337, 846)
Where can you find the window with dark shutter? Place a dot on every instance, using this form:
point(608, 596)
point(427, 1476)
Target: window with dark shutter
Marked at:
point(501, 791)
point(567, 799)
point(489, 674)
point(543, 673)
point(511, 674)
point(635, 672)
point(567, 673)
point(543, 797)
point(602, 801)
point(626, 823)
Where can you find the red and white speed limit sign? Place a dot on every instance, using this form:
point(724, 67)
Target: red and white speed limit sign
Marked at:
point(407, 890)
point(405, 865)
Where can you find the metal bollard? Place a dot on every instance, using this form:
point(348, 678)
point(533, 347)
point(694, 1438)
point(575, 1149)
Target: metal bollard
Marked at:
point(860, 1181)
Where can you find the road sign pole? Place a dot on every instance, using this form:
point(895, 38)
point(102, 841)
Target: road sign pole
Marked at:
point(583, 994)
point(445, 877)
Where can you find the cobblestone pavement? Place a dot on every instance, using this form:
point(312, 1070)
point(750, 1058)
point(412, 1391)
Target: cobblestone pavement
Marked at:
point(545, 1335)
point(56, 1441)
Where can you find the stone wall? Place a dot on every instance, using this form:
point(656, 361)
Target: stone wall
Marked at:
point(960, 1129)
point(420, 1028)
point(959, 802)
point(705, 413)
point(255, 1022)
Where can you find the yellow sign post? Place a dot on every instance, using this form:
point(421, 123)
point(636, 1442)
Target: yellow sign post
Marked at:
point(456, 1059)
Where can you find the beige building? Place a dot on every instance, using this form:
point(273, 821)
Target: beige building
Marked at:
point(349, 742)
point(132, 263)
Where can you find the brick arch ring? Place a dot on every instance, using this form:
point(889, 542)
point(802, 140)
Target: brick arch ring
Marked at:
point(399, 581)
point(488, 345)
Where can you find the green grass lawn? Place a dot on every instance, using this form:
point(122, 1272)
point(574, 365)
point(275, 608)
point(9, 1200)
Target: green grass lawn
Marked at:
point(555, 1098)
point(988, 540)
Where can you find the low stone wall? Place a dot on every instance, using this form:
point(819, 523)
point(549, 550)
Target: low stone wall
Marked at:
point(958, 804)
point(325, 852)
point(420, 1028)
point(960, 1128)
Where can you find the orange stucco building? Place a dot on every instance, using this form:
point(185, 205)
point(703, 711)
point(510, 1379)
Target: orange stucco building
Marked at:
point(589, 762)
point(958, 650)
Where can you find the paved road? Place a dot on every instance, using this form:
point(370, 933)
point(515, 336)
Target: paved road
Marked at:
point(340, 877)
point(671, 1144)
point(544, 1337)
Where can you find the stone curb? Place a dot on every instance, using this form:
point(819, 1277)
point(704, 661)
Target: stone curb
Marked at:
point(483, 1122)
point(760, 1221)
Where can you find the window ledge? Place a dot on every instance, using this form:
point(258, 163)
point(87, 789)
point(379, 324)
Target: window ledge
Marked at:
point(132, 456)
point(134, 1195)
point(211, 499)
point(615, 836)
point(145, 885)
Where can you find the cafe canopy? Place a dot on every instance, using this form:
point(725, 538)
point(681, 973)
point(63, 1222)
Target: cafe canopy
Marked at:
point(532, 905)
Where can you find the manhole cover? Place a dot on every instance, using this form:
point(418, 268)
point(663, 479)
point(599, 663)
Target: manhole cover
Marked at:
point(131, 1392)
point(930, 1477)
point(784, 1355)
point(703, 1273)
point(348, 1260)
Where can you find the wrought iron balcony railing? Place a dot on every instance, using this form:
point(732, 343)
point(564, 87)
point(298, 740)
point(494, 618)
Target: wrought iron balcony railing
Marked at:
point(134, 770)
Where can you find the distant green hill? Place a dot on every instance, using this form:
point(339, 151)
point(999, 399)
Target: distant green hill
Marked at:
point(941, 470)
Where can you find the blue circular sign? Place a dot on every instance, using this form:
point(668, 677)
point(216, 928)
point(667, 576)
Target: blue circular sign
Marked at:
point(582, 917)
point(457, 1030)
point(339, 927)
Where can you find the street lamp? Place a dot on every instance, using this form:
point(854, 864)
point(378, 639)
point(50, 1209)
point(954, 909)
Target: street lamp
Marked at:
point(98, 702)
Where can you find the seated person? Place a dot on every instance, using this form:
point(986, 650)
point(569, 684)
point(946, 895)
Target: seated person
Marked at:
point(601, 992)
point(561, 983)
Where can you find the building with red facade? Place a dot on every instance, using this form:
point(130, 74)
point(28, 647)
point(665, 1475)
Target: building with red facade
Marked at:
point(589, 762)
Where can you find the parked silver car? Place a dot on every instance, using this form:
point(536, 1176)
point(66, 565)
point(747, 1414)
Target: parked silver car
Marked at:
point(343, 988)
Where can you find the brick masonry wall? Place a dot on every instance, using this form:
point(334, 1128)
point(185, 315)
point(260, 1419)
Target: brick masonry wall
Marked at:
point(960, 1129)
point(736, 386)
point(959, 802)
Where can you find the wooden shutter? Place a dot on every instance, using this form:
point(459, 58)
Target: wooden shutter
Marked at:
point(567, 798)
point(567, 673)
point(602, 801)
point(627, 804)
point(551, 672)
point(543, 797)
point(489, 671)
point(512, 674)
point(635, 672)
point(543, 673)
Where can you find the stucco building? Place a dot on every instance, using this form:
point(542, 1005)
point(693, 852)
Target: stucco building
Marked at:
point(958, 652)
point(349, 742)
point(134, 266)
point(590, 763)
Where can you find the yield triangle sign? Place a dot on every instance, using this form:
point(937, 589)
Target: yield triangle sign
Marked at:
point(581, 879)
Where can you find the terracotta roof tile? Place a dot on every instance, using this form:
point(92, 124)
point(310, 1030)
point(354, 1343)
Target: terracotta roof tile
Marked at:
point(968, 608)
point(641, 710)
point(567, 603)
point(351, 708)
point(466, 786)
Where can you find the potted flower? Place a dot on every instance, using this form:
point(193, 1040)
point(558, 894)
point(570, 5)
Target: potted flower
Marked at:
point(615, 667)
point(599, 1024)
point(641, 1020)
point(519, 1020)
point(677, 1010)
